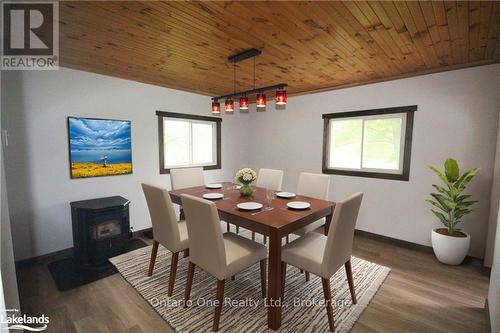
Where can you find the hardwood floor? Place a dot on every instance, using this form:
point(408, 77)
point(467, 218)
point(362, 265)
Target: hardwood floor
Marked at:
point(419, 295)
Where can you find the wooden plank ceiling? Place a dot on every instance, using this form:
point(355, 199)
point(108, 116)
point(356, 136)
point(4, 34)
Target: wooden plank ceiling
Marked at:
point(309, 45)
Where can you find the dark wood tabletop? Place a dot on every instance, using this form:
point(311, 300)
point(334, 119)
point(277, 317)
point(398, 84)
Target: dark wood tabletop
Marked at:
point(275, 221)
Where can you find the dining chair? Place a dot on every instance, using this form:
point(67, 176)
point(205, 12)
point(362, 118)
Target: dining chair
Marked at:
point(269, 179)
point(166, 230)
point(220, 255)
point(189, 177)
point(315, 186)
point(186, 177)
point(324, 255)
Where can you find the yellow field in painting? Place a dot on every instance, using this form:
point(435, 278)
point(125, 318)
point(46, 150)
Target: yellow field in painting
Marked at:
point(87, 169)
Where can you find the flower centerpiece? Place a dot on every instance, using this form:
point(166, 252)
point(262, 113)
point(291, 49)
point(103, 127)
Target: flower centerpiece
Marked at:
point(246, 176)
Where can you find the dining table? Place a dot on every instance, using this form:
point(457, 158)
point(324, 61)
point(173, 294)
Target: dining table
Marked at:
point(274, 220)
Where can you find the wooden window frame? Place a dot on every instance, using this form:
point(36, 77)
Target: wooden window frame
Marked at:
point(164, 114)
point(405, 175)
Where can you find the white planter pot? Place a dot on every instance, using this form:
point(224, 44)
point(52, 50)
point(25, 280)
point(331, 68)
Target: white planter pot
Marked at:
point(448, 249)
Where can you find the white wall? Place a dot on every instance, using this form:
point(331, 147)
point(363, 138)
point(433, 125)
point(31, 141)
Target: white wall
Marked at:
point(494, 206)
point(457, 117)
point(36, 104)
point(9, 296)
point(494, 291)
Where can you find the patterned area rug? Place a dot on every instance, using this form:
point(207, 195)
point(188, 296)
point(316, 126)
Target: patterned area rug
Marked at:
point(244, 309)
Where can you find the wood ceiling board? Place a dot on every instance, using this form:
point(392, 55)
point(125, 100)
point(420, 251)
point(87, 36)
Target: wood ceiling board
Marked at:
point(311, 46)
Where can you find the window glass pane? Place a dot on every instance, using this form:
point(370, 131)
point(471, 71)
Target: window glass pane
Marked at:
point(345, 143)
point(382, 141)
point(203, 143)
point(176, 139)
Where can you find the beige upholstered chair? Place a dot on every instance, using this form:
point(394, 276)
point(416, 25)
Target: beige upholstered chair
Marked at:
point(270, 179)
point(166, 230)
point(315, 186)
point(186, 177)
point(221, 255)
point(189, 177)
point(324, 255)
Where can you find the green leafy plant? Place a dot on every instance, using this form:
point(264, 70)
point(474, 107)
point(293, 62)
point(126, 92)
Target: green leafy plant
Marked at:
point(449, 204)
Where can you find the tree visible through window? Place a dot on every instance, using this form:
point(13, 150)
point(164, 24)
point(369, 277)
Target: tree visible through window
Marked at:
point(371, 143)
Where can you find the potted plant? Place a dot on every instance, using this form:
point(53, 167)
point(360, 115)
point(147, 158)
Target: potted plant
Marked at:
point(451, 244)
point(245, 177)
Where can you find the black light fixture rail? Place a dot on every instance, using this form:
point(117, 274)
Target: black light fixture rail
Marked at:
point(244, 55)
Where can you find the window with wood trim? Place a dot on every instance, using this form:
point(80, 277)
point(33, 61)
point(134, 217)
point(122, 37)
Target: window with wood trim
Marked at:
point(188, 141)
point(370, 143)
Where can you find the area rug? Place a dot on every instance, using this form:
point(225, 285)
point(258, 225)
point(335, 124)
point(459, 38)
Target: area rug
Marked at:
point(244, 309)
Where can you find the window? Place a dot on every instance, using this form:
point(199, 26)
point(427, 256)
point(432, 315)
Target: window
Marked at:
point(370, 143)
point(188, 141)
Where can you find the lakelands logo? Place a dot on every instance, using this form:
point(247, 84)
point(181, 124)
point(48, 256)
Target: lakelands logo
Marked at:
point(15, 321)
point(30, 34)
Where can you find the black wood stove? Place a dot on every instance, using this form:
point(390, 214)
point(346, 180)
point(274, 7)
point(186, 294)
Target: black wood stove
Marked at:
point(101, 230)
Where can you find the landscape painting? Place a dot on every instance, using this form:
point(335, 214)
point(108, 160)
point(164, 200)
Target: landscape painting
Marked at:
point(99, 147)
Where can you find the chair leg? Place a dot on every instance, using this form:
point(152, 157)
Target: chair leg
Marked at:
point(237, 229)
point(182, 215)
point(186, 253)
point(173, 271)
point(263, 277)
point(228, 227)
point(233, 278)
point(154, 252)
point(287, 239)
point(350, 280)
point(308, 276)
point(328, 300)
point(301, 271)
point(189, 283)
point(283, 279)
point(265, 239)
point(218, 305)
point(253, 235)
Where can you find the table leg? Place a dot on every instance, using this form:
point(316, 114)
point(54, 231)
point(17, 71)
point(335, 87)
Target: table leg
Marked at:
point(274, 282)
point(327, 223)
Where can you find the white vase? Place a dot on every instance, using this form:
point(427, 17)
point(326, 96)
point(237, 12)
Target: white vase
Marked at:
point(448, 249)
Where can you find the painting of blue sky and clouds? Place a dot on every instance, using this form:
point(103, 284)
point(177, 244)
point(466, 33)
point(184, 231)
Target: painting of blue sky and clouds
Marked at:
point(100, 143)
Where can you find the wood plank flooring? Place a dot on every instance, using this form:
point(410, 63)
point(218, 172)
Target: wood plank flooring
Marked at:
point(419, 295)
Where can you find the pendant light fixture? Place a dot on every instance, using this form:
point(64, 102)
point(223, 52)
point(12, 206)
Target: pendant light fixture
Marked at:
point(260, 92)
point(215, 107)
point(260, 98)
point(280, 97)
point(244, 103)
point(230, 102)
point(260, 101)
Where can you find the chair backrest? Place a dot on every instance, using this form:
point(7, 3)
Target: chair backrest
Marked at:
point(161, 210)
point(313, 185)
point(186, 177)
point(206, 245)
point(270, 179)
point(338, 247)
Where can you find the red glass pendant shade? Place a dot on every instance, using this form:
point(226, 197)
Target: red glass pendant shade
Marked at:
point(260, 100)
point(243, 103)
point(215, 107)
point(229, 105)
point(281, 97)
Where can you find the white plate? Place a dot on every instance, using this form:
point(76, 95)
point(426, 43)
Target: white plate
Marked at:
point(285, 195)
point(298, 205)
point(213, 186)
point(213, 196)
point(249, 205)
